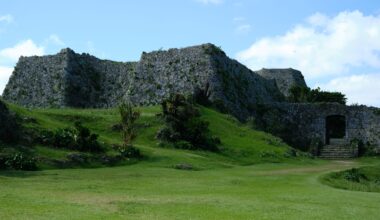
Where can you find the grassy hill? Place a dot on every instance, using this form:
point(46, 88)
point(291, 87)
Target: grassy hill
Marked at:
point(240, 144)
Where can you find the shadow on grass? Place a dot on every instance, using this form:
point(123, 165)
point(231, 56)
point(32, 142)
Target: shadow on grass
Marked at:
point(22, 174)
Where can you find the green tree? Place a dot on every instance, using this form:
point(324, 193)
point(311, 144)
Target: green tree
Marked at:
point(184, 127)
point(300, 94)
point(128, 123)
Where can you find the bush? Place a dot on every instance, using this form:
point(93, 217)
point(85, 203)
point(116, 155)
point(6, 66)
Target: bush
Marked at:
point(129, 117)
point(128, 151)
point(76, 138)
point(315, 146)
point(128, 122)
point(85, 140)
point(64, 138)
point(17, 161)
point(10, 129)
point(354, 175)
point(184, 127)
point(305, 94)
point(3, 161)
point(252, 123)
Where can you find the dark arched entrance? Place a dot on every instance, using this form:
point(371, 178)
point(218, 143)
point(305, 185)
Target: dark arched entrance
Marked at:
point(335, 127)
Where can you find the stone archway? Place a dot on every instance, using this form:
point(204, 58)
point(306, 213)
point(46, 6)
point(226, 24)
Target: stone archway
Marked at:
point(335, 127)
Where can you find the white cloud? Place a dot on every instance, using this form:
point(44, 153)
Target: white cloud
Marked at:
point(210, 2)
point(24, 48)
point(243, 28)
point(6, 18)
point(5, 73)
point(9, 57)
point(322, 46)
point(90, 47)
point(55, 39)
point(238, 19)
point(363, 89)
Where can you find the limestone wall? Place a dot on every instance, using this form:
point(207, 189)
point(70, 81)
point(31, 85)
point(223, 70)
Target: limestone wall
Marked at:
point(68, 80)
point(285, 78)
point(38, 81)
point(299, 123)
point(229, 84)
point(82, 80)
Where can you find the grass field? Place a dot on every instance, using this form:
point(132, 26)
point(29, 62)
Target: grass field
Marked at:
point(141, 191)
point(253, 177)
point(365, 179)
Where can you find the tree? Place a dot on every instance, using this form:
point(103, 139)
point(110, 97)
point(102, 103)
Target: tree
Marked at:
point(128, 123)
point(302, 94)
point(184, 127)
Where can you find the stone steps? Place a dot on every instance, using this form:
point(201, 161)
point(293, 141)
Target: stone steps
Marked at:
point(336, 152)
point(338, 141)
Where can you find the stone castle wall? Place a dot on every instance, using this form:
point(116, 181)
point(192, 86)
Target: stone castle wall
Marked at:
point(228, 83)
point(68, 79)
point(284, 78)
point(38, 81)
point(81, 80)
point(301, 123)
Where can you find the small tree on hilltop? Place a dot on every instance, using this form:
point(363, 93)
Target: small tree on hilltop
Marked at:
point(184, 127)
point(128, 124)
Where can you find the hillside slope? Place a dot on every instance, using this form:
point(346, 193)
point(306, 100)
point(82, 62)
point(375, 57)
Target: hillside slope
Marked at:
point(240, 144)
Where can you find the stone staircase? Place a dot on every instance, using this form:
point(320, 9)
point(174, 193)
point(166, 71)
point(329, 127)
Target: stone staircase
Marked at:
point(338, 149)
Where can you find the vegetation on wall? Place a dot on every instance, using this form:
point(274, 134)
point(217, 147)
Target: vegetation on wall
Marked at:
point(304, 94)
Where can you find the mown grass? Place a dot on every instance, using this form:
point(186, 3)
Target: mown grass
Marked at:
point(263, 191)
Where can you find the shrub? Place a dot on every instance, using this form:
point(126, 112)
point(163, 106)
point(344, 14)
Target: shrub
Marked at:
point(252, 123)
point(315, 146)
point(10, 129)
point(128, 122)
point(17, 161)
point(354, 175)
point(201, 96)
point(305, 94)
point(85, 140)
point(184, 127)
point(76, 138)
point(128, 151)
point(299, 94)
point(3, 161)
point(129, 117)
point(64, 138)
point(183, 145)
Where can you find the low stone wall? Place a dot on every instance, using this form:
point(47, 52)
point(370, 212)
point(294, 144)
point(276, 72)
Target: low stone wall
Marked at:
point(300, 124)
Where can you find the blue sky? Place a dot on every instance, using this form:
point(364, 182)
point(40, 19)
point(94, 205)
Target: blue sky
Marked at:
point(333, 42)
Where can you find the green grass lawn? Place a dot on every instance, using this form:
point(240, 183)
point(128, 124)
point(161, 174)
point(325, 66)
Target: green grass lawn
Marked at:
point(253, 177)
point(366, 179)
point(141, 191)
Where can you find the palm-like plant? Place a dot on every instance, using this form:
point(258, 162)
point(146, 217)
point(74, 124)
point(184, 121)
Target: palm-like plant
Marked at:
point(128, 118)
